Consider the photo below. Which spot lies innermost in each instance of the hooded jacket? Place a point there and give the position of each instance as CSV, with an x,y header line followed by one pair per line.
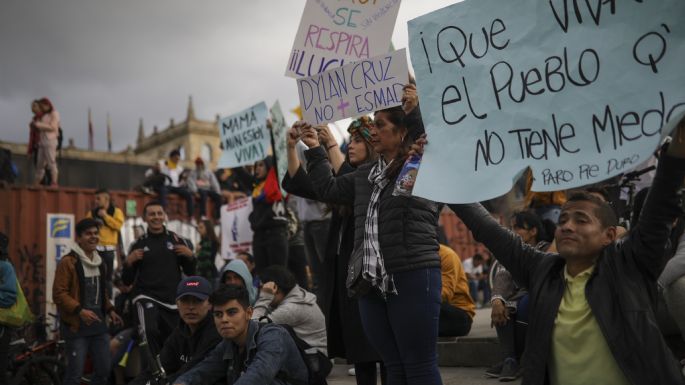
x,y
300,311
237,266
66,289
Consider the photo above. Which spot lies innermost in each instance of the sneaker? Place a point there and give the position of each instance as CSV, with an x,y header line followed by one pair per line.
x,y
351,372
495,370
510,370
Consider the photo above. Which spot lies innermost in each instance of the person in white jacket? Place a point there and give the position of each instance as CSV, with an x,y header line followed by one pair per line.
x,y
282,301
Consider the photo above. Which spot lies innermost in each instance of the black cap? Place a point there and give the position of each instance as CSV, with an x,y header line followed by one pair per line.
x,y
196,286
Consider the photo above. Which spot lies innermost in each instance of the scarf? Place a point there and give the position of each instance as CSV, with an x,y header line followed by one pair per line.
x,y
374,267
91,268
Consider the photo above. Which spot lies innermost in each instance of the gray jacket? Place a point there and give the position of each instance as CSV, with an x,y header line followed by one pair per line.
x,y
272,359
206,175
300,311
406,225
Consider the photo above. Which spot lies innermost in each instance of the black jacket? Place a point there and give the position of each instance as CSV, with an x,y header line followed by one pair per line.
x,y
159,272
345,334
406,225
621,291
182,351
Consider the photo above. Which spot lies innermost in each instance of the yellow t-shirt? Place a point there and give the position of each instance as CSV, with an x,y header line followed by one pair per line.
x,y
580,354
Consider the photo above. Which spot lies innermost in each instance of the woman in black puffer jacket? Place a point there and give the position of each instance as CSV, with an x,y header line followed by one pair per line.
x,y
396,238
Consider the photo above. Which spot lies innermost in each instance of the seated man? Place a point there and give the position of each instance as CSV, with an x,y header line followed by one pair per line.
x,y
591,315
250,353
457,308
282,301
473,268
237,273
194,337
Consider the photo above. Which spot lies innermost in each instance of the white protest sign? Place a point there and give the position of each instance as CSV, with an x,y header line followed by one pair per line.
x,y
333,33
354,90
279,130
580,91
244,136
236,233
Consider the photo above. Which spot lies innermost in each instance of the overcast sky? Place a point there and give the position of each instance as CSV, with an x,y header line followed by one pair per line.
x,y
143,58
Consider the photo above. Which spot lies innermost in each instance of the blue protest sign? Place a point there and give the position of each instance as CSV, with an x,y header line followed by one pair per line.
x,y
580,91
244,137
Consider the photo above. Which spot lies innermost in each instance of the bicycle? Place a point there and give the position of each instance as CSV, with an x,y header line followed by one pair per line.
x,y
40,363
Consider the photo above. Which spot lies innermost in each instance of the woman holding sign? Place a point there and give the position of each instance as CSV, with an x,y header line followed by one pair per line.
x,y
395,268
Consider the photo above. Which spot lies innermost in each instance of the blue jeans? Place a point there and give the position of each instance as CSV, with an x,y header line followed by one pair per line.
x,y
77,349
404,328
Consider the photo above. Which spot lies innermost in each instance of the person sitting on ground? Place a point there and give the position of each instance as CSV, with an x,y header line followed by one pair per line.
x,y
194,337
203,183
237,273
250,352
83,303
510,301
282,301
457,309
591,315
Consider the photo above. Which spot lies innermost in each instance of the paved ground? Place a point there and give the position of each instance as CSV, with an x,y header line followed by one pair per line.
x,y
450,376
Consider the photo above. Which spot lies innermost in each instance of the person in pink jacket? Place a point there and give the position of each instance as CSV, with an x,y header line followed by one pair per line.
x,y
48,127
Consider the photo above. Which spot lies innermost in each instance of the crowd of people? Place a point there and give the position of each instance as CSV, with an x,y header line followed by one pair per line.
x,y
365,273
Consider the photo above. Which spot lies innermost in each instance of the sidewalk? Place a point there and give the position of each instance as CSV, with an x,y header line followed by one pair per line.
x,y
450,376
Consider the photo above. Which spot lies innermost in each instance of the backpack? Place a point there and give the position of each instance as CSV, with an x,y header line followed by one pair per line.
x,y
318,365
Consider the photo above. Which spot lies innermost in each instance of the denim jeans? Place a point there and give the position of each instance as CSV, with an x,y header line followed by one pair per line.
x,y
77,349
404,327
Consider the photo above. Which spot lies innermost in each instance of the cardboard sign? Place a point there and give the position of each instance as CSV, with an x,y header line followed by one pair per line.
x,y
580,91
236,233
354,90
279,130
244,136
333,33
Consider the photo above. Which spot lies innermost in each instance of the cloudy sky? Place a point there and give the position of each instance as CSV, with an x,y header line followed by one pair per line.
x,y
143,58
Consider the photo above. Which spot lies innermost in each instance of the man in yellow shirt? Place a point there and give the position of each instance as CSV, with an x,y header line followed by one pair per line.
x,y
111,219
591,315
457,308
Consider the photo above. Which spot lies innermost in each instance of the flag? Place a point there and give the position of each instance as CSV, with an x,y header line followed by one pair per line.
x,y
90,131
109,134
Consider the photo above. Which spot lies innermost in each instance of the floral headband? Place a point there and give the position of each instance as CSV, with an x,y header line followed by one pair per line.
x,y
361,127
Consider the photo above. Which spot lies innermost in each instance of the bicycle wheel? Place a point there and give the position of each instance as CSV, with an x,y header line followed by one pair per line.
x,y
40,370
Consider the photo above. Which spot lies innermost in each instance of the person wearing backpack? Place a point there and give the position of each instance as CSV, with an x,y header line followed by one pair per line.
x,y
8,296
48,127
250,353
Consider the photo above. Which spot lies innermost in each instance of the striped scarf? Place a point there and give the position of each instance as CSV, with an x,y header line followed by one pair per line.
x,y
374,267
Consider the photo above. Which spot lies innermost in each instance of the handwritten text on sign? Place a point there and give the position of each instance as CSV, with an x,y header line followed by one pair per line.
x,y
244,137
354,90
333,33
579,90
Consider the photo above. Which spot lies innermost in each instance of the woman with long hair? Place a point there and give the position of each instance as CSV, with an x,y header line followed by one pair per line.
x,y
34,135
206,250
346,338
48,128
395,247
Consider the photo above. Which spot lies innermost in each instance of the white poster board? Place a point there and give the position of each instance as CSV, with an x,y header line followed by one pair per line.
x,y
244,137
236,234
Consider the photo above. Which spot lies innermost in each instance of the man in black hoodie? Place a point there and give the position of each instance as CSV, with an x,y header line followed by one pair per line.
x,y
194,337
153,267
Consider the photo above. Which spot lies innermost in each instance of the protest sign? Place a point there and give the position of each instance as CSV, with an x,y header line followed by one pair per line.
x,y
244,136
580,91
333,33
354,90
236,233
279,131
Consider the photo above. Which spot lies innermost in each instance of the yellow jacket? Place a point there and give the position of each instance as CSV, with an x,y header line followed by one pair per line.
x,y
455,286
109,233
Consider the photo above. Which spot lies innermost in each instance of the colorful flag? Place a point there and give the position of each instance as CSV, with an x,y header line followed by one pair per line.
x,y
90,131
109,134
